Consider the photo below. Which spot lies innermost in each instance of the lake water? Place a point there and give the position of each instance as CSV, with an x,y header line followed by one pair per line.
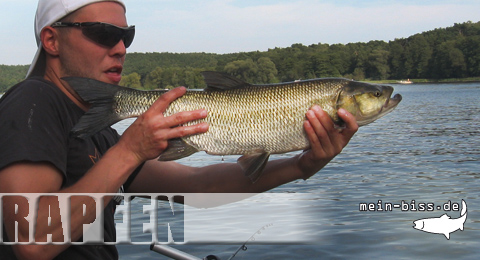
x,y
426,151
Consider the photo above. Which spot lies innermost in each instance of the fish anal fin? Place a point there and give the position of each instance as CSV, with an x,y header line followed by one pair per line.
x,y
253,164
222,81
447,235
177,149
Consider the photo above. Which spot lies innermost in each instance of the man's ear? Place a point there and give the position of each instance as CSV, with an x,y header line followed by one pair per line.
x,y
49,37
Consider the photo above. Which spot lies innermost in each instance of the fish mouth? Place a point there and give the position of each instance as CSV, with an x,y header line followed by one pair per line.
x,y
417,224
392,102
390,105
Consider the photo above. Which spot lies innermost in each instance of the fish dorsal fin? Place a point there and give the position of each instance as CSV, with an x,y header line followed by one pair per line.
x,y
222,81
445,216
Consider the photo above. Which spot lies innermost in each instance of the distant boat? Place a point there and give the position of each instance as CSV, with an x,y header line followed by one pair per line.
x,y
405,81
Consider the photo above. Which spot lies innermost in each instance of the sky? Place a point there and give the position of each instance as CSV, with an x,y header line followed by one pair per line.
x,y
230,26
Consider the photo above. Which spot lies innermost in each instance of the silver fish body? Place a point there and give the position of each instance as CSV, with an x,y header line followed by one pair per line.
x,y
250,120
267,118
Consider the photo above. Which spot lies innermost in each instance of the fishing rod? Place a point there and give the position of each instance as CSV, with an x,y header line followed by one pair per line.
x,y
180,255
252,238
177,254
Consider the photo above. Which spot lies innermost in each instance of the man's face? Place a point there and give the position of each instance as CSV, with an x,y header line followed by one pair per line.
x,y
81,57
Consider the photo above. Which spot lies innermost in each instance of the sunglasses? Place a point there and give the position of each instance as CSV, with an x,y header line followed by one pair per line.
x,y
103,33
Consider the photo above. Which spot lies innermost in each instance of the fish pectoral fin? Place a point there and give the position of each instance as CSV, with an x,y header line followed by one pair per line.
x,y
253,164
177,149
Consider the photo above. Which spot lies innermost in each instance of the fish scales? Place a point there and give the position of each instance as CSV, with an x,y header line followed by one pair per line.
x,y
261,117
129,103
267,118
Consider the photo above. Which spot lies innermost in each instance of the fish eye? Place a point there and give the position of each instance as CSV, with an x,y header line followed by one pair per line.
x,y
377,94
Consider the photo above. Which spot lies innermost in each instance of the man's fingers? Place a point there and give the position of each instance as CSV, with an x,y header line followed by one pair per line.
x,y
351,126
315,122
166,99
324,118
322,125
181,118
182,131
312,136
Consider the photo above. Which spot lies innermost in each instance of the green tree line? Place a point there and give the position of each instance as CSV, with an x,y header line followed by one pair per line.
x,y
443,53
11,75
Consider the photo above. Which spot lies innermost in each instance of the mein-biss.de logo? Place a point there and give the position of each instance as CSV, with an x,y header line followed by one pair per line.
x,y
443,224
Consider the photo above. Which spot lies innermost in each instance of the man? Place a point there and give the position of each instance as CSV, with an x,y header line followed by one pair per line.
x,y
39,155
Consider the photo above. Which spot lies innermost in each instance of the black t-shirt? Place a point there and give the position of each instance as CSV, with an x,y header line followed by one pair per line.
x,y
35,122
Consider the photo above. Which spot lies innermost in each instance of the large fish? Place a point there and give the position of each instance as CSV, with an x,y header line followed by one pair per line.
x,y
249,120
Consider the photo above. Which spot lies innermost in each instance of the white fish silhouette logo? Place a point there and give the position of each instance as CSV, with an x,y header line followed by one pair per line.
x,y
444,224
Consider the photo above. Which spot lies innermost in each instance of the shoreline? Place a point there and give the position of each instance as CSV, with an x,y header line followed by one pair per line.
x,y
426,81
414,81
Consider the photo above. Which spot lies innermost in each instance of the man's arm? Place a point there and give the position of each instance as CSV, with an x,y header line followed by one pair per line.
x,y
106,176
26,177
326,142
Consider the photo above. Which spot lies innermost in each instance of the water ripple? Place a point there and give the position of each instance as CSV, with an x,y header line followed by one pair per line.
x,y
427,150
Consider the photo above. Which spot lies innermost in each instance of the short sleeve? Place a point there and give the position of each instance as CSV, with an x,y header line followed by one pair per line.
x,y
33,126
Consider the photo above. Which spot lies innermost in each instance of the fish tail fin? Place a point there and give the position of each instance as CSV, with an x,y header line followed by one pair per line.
x,y
253,164
464,208
463,214
101,96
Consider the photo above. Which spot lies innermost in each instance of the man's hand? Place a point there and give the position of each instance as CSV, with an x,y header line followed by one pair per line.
x,y
148,136
326,141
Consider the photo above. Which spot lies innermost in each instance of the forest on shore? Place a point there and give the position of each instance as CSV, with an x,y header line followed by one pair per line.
x,y
442,53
